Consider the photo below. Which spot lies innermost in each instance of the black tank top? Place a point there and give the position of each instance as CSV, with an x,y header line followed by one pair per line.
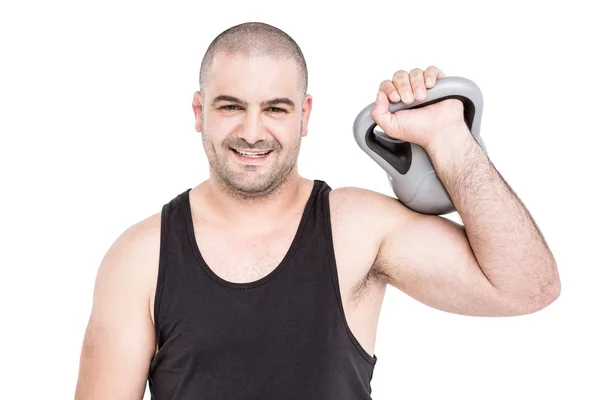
x,y
283,336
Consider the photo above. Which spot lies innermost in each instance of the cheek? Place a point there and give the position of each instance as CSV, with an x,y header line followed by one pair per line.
x,y
218,130
287,134
216,125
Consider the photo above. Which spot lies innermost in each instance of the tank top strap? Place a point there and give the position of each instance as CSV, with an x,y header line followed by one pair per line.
x,y
324,248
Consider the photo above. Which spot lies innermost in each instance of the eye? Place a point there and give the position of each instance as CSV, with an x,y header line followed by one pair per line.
x,y
227,107
278,109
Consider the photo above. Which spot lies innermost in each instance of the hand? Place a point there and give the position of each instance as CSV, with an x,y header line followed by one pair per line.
x,y
421,126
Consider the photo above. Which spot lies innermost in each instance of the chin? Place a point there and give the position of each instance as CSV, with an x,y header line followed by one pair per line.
x,y
247,184
252,185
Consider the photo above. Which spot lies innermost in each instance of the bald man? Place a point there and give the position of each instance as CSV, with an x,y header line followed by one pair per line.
x,y
262,284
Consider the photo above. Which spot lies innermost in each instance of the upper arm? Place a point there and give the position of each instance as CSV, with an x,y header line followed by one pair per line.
x,y
429,258
119,341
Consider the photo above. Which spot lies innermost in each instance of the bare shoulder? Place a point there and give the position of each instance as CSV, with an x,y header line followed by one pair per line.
x,y
150,237
368,211
143,242
361,219
352,196
139,246
119,340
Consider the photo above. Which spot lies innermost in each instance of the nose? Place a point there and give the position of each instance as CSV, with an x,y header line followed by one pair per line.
x,y
253,129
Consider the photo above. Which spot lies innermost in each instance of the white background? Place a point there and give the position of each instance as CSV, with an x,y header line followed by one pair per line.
x,y
98,133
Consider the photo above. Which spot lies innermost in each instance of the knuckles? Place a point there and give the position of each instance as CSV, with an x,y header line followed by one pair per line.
x,y
400,75
416,72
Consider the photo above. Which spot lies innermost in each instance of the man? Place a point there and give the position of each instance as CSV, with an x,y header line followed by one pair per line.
x,y
261,284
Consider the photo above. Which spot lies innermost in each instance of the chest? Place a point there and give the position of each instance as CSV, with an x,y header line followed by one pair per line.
x,y
243,256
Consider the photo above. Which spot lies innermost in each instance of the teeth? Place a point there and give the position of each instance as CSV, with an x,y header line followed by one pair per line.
x,y
251,154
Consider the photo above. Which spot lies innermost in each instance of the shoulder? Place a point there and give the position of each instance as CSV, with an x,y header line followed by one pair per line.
x,y
367,206
141,237
352,193
369,214
134,254
119,339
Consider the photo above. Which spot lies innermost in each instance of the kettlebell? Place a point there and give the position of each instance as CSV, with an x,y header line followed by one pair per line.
x,y
409,169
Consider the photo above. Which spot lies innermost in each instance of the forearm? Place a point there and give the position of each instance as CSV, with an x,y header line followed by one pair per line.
x,y
508,245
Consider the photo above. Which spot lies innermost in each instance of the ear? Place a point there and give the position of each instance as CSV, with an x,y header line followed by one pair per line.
x,y
306,108
197,108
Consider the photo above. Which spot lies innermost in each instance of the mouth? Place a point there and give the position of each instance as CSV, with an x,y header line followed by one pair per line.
x,y
251,156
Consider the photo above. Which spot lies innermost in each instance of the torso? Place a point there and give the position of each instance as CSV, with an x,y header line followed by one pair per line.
x,y
255,257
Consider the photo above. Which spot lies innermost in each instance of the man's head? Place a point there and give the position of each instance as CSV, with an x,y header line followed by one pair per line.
x,y
252,98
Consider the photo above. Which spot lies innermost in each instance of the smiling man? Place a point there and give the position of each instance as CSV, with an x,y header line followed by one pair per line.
x,y
261,284
253,110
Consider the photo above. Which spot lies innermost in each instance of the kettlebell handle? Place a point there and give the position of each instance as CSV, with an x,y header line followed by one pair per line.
x,y
445,88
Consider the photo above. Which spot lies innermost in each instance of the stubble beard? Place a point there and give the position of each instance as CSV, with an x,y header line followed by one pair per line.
x,y
246,183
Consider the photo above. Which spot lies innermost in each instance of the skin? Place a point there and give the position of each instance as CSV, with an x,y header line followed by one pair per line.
x,y
252,194
497,264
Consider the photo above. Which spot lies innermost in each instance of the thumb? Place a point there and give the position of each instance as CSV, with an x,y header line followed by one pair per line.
x,y
380,112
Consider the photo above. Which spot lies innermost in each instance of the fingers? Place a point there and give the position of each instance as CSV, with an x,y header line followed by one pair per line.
x,y
380,112
381,105
431,76
389,89
401,81
411,86
404,86
418,83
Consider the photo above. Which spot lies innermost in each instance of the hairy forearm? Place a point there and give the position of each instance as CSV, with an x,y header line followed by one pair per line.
x,y
507,243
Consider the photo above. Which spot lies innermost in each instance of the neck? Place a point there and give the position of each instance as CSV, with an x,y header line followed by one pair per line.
x,y
259,210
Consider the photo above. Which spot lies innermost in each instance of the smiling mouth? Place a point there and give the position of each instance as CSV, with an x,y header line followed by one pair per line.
x,y
252,154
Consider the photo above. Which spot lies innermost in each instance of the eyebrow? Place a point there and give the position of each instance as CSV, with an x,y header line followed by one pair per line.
x,y
272,102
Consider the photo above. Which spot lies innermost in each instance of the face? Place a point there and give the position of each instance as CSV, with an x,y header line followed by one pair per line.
x,y
252,121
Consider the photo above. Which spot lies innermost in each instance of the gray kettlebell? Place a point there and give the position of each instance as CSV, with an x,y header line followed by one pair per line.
x,y
408,166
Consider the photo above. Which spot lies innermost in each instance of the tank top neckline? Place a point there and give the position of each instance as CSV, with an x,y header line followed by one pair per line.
x,y
189,222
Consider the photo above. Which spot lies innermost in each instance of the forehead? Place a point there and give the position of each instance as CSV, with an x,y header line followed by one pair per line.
x,y
253,76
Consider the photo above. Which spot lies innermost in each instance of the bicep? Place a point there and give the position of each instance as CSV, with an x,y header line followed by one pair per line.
x,y
429,258
119,341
